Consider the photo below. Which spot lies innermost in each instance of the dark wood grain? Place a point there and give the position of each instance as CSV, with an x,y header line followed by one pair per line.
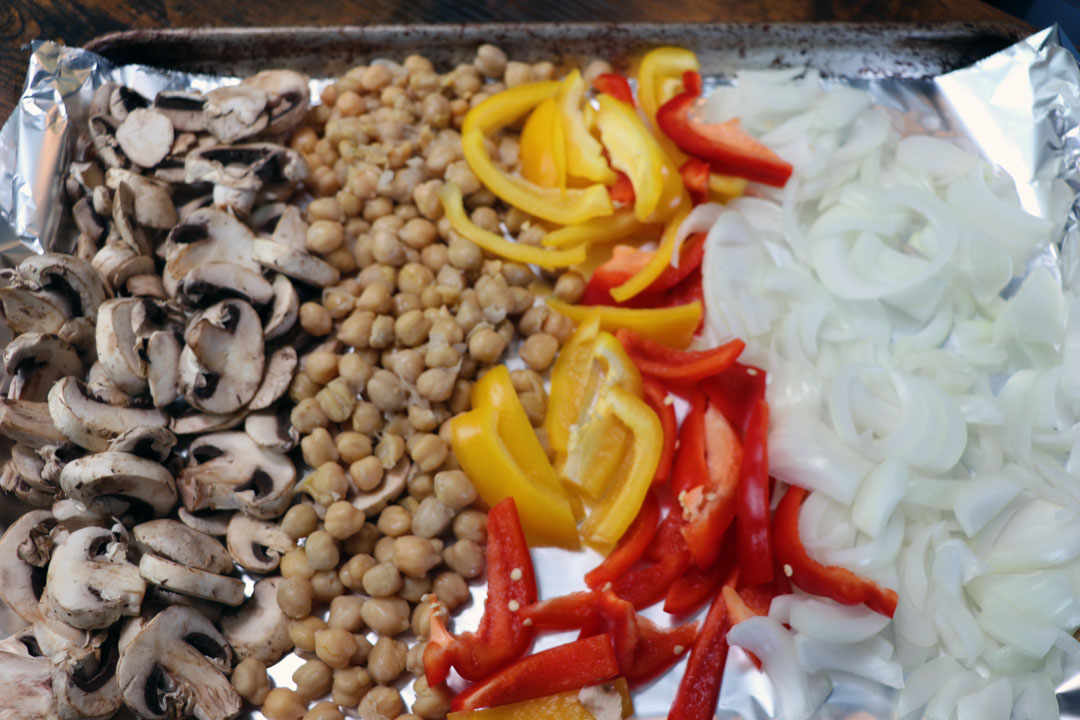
x,y
75,23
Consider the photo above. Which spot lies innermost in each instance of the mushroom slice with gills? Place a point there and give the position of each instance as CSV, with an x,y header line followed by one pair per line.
x,y
152,443
90,583
82,178
92,424
21,584
36,548
73,279
118,262
102,97
153,204
55,458
17,486
123,101
209,523
222,365
146,285
85,684
30,466
175,666
285,309
87,219
101,388
234,200
291,229
236,112
211,282
27,311
75,516
183,108
392,484
245,167
37,360
287,97
128,476
103,135
158,598
272,429
206,235
163,350
193,422
280,369
80,334
145,136
228,471
126,223
191,581
173,540
297,264
29,423
26,684
259,629
257,545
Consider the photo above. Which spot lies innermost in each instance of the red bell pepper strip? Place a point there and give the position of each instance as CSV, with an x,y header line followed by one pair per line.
x,y
753,544
699,688
735,392
759,597
656,397
622,192
647,585
840,584
727,147
695,176
631,545
669,539
627,261
616,86
690,468
696,587
566,612
564,667
683,366
642,649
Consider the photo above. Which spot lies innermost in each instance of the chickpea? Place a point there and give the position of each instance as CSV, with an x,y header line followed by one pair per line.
x,y
337,400
335,646
412,328
517,73
302,633
464,254
394,521
349,686
355,330
386,391
461,399
363,542
313,679
387,660
384,549
315,319
321,366
414,658
543,71
459,173
414,555
430,703
352,572
490,61
342,520
387,616
465,557
300,521
390,449
363,649
486,346
352,446
532,321
428,451
376,77
283,704
451,589
302,387
308,415
380,703
327,484
421,619
431,518
295,563
387,248
410,504
338,302
326,585
437,383
318,448
366,473
325,236
324,710
535,406
345,613
367,418
560,326
250,680
414,589
454,489
294,597
426,197
570,287
382,580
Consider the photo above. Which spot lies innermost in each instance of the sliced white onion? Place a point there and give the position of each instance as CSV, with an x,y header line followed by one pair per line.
x,y
872,554
878,496
1040,535
835,623
816,655
1048,596
980,499
943,704
993,702
1005,625
700,219
803,451
780,608
1035,699
925,682
934,156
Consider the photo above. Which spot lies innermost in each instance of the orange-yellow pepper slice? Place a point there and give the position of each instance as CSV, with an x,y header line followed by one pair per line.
x,y
673,326
609,519
543,146
584,154
622,223
660,79
660,259
450,195
509,106
726,187
595,451
561,706
569,377
545,515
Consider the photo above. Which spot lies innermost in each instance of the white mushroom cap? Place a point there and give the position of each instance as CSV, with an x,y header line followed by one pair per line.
x,y
245,167
85,684
175,666
184,108
21,583
213,281
118,262
257,545
37,360
206,235
154,207
29,422
73,278
222,366
191,581
28,311
163,349
210,523
118,346
111,474
287,96
235,112
285,310
277,378
90,582
193,422
175,541
92,424
145,136
259,629
152,443
297,264
272,430
228,471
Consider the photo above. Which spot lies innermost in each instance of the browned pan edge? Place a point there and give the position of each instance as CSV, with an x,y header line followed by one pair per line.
x,y
847,49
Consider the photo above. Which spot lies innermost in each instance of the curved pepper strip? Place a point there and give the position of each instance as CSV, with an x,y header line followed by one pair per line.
x,y
543,147
753,542
699,688
584,154
642,649
674,326
840,584
507,107
616,86
726,187
450,195
658,69
631,545
562,668
647,585
656,396
569,376
685,366
546,515
735,391
572,611
696,587
669,538
660,259
626,261
560,706
609,228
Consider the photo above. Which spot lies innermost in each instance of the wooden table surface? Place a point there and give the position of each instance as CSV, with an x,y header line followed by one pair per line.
x,y
75,23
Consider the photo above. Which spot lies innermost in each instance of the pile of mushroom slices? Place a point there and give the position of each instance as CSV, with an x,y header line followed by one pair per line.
x,y
142,377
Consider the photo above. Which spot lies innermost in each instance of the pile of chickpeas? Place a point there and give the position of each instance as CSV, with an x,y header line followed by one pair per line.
x,y
420,314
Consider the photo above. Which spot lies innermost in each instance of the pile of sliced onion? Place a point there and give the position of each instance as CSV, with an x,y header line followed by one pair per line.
x,y
924,385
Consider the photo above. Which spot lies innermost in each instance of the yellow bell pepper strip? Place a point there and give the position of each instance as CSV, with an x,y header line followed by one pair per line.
x,y
660,79
620,224
543,147
509,106
496,390
569,376
545,514
673,326
561,706
635,151
584,154
609,519
450,195
726,187
661,259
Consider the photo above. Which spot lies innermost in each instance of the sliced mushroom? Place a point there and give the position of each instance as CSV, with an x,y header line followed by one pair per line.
x,y
26,684
159,598
392,484
145,136
54,635
297,264
146,285
21,584
85,683
183,108
245,167
102,389
90,582
30,467
272,430
36,549
191,581
118,262
153,204
287,97
173,540
55,458
280,369
228,471
194,423
79,332
27,311
68,277
103,134
87,220
126,223
236,112
73,515
37,360
257,545
259,629
152,443
235,200
102,201
206,235
285,310
209,523
175,666
163,350
29,422
211,282
83,177
92,424
221,367
119,474
123,101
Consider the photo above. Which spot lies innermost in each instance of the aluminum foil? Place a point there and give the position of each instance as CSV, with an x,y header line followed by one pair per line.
x,y
1020,108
